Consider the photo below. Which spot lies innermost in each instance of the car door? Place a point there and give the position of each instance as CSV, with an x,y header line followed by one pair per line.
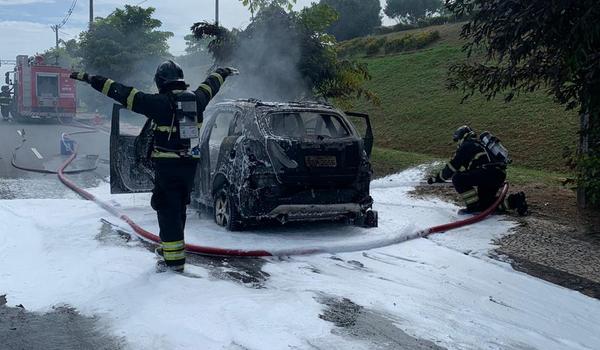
x,y
220,130
130,139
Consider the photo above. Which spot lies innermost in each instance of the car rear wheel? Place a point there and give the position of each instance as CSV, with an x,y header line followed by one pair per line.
x,y
226,213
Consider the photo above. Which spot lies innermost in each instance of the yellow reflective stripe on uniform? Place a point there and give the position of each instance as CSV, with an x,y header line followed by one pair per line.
x,y
207,88
130,98
219,77
469,193
158,154
173,245
165,128
477,156
472,200
470,196
178,255
80,75
106,88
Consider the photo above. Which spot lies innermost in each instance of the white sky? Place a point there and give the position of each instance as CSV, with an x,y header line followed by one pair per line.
x,y
25,24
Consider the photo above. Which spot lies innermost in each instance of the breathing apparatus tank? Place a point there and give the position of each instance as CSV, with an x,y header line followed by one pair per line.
x,y
497,151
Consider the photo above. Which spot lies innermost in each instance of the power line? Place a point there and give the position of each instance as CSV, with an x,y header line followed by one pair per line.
x,y
68,15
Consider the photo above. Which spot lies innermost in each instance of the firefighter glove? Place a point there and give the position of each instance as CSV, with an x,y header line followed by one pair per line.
x,y
436,179
81,76
225,72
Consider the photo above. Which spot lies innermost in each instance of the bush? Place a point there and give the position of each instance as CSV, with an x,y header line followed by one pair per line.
x,y
351,47
400,27
373,47
411,42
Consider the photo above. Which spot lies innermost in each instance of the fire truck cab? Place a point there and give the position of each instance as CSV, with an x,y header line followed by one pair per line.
x,y
41,91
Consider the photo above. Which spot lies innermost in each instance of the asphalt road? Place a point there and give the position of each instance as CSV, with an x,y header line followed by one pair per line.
x,y
41,150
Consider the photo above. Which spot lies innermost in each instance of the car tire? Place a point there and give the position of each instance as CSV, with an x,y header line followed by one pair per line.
x,y
371,218
226,213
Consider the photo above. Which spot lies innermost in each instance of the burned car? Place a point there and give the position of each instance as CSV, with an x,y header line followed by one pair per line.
x,y
268,162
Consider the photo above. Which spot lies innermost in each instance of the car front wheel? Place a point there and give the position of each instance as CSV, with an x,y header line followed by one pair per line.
x,y
226,213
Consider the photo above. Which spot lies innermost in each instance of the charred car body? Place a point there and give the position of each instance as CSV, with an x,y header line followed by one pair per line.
x,y
269,161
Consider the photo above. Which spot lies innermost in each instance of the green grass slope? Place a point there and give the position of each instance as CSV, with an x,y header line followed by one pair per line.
x,y
418,114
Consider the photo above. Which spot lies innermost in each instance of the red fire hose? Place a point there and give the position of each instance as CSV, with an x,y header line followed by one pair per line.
x,y
213,251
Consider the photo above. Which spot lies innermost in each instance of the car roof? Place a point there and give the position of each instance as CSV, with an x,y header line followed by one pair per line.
x,y
267,107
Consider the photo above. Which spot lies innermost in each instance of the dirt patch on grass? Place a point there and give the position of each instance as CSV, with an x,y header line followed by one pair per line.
x,y
557,242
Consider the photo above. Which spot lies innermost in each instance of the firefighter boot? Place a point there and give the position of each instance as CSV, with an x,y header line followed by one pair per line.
x,y
161,264
471,199
518,202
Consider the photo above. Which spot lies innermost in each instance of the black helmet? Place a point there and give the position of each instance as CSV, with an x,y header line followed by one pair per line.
x,y
461,132
168,73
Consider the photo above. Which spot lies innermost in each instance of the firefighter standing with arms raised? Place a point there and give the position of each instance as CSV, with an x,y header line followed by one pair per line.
x,y
176,115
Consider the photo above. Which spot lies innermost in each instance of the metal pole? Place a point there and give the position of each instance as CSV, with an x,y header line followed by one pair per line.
x,y
217,12
91,13
55,28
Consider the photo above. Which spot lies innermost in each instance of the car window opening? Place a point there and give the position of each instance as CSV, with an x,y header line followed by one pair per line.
x,y
307,125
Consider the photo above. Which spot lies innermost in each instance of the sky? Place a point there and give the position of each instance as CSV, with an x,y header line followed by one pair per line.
x,y
25,24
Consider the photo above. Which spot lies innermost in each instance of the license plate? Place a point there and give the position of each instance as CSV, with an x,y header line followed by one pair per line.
x,y
321,161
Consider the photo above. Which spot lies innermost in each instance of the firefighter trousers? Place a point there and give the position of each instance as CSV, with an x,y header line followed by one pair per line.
x,y
479,186
173,183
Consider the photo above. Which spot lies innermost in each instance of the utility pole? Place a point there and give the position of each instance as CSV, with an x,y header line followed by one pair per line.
x,y
91,13
217,12
55,28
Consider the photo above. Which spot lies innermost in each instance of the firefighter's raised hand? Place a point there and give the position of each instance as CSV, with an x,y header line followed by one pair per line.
x,y
81,76
227,71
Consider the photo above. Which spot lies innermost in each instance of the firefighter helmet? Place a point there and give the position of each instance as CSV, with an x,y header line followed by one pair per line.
x,y
168,73
461,132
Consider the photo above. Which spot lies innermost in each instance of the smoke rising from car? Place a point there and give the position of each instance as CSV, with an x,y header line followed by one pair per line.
x,y
268,70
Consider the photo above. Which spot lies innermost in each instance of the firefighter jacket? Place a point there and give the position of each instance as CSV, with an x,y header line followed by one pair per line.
x,y
471,154
160,109
5,98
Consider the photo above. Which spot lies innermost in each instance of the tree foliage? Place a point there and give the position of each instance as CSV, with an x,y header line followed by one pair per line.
x,y
126,45
256,5
410,11
68,54
287,55
537,44
356,17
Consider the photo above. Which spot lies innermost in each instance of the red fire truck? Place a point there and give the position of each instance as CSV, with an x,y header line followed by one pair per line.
x,y
40,90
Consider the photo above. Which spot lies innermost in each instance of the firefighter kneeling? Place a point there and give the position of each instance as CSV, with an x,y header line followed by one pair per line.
x,y
176,117
478,171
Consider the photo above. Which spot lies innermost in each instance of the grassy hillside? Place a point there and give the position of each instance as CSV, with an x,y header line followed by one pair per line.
x,y
418,114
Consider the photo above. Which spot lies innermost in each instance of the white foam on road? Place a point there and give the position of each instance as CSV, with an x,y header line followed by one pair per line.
x,y
49,256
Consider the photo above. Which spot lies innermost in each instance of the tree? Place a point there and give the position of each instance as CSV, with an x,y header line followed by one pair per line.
x,y
410,11
285,56
126,45
356,17
538,44
256,5
68,54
